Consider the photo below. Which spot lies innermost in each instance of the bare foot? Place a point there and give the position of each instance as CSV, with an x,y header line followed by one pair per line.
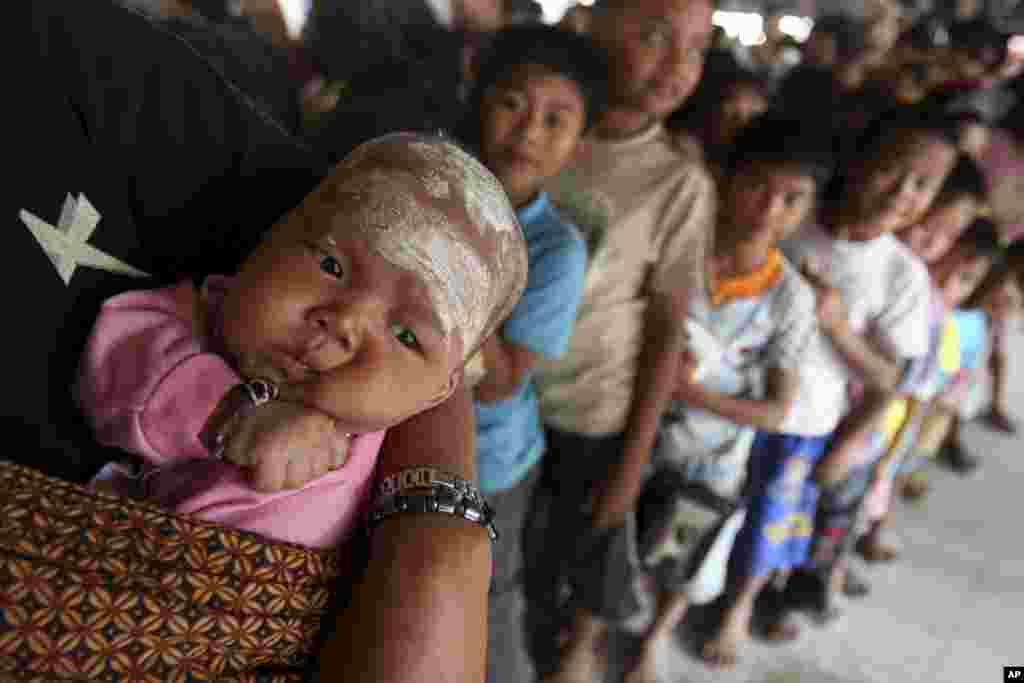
x,y
782,630
721,651
873,549
913,487
1000,421
650,666
579,665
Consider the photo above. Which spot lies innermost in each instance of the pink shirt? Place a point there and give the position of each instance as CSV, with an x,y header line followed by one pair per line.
x,y
148,382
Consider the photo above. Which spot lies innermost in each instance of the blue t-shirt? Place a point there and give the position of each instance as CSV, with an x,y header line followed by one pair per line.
x,y
510,439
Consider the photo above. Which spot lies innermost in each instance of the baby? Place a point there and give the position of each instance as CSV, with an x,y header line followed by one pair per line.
x,y
361,305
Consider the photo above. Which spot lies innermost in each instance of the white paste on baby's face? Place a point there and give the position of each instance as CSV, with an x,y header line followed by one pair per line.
x,y
418,237
427,206
483,194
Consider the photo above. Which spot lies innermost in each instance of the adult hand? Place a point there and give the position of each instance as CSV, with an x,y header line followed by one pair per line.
x,y
286,445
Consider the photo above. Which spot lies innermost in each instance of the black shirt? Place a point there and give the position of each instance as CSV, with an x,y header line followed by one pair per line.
x,y
184,172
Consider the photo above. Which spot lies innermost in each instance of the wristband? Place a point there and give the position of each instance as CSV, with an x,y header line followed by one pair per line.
x,y
440,500
240,399
428,489
423,478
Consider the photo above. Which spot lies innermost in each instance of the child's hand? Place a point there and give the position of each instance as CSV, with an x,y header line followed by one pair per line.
x,y
286,445
828,303
688,367
830,471
687,373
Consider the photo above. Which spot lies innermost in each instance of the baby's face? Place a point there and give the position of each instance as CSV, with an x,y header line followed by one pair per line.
x,y
363,302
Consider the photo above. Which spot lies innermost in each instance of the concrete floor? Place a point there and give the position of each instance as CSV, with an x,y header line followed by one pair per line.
x,y
950,611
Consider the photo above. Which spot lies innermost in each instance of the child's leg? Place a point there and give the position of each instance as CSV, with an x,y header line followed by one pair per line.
x,y
672,608
580,661
721,650
999,415
873,547
953,451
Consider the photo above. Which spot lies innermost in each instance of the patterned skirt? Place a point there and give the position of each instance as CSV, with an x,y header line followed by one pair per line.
x,y
782,498
94,587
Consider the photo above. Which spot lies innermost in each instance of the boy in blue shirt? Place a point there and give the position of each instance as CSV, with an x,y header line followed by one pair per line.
x,y
537,92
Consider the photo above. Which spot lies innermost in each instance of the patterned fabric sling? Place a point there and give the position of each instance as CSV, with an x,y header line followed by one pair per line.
x,y
98,588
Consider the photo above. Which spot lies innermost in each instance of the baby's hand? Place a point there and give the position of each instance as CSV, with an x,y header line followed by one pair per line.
x,y
286,445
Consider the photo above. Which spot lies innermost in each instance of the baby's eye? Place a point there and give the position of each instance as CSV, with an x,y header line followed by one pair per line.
x,y
404,335
332,266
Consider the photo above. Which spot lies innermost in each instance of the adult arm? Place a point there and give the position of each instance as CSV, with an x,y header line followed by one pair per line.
x,y
419,613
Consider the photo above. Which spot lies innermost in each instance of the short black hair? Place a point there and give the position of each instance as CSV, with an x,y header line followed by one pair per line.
x,y
568,54
848,33
901,119
906,118
778,138
723,74
982,39
965,180
982,236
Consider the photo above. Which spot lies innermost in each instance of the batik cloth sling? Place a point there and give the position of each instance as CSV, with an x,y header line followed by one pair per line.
x,y
99,588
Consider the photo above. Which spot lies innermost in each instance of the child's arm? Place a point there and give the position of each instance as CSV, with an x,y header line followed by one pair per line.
x,y
849,437
507,365
679,272
869,362
766,414
540,325
147,383
876,368
663,347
